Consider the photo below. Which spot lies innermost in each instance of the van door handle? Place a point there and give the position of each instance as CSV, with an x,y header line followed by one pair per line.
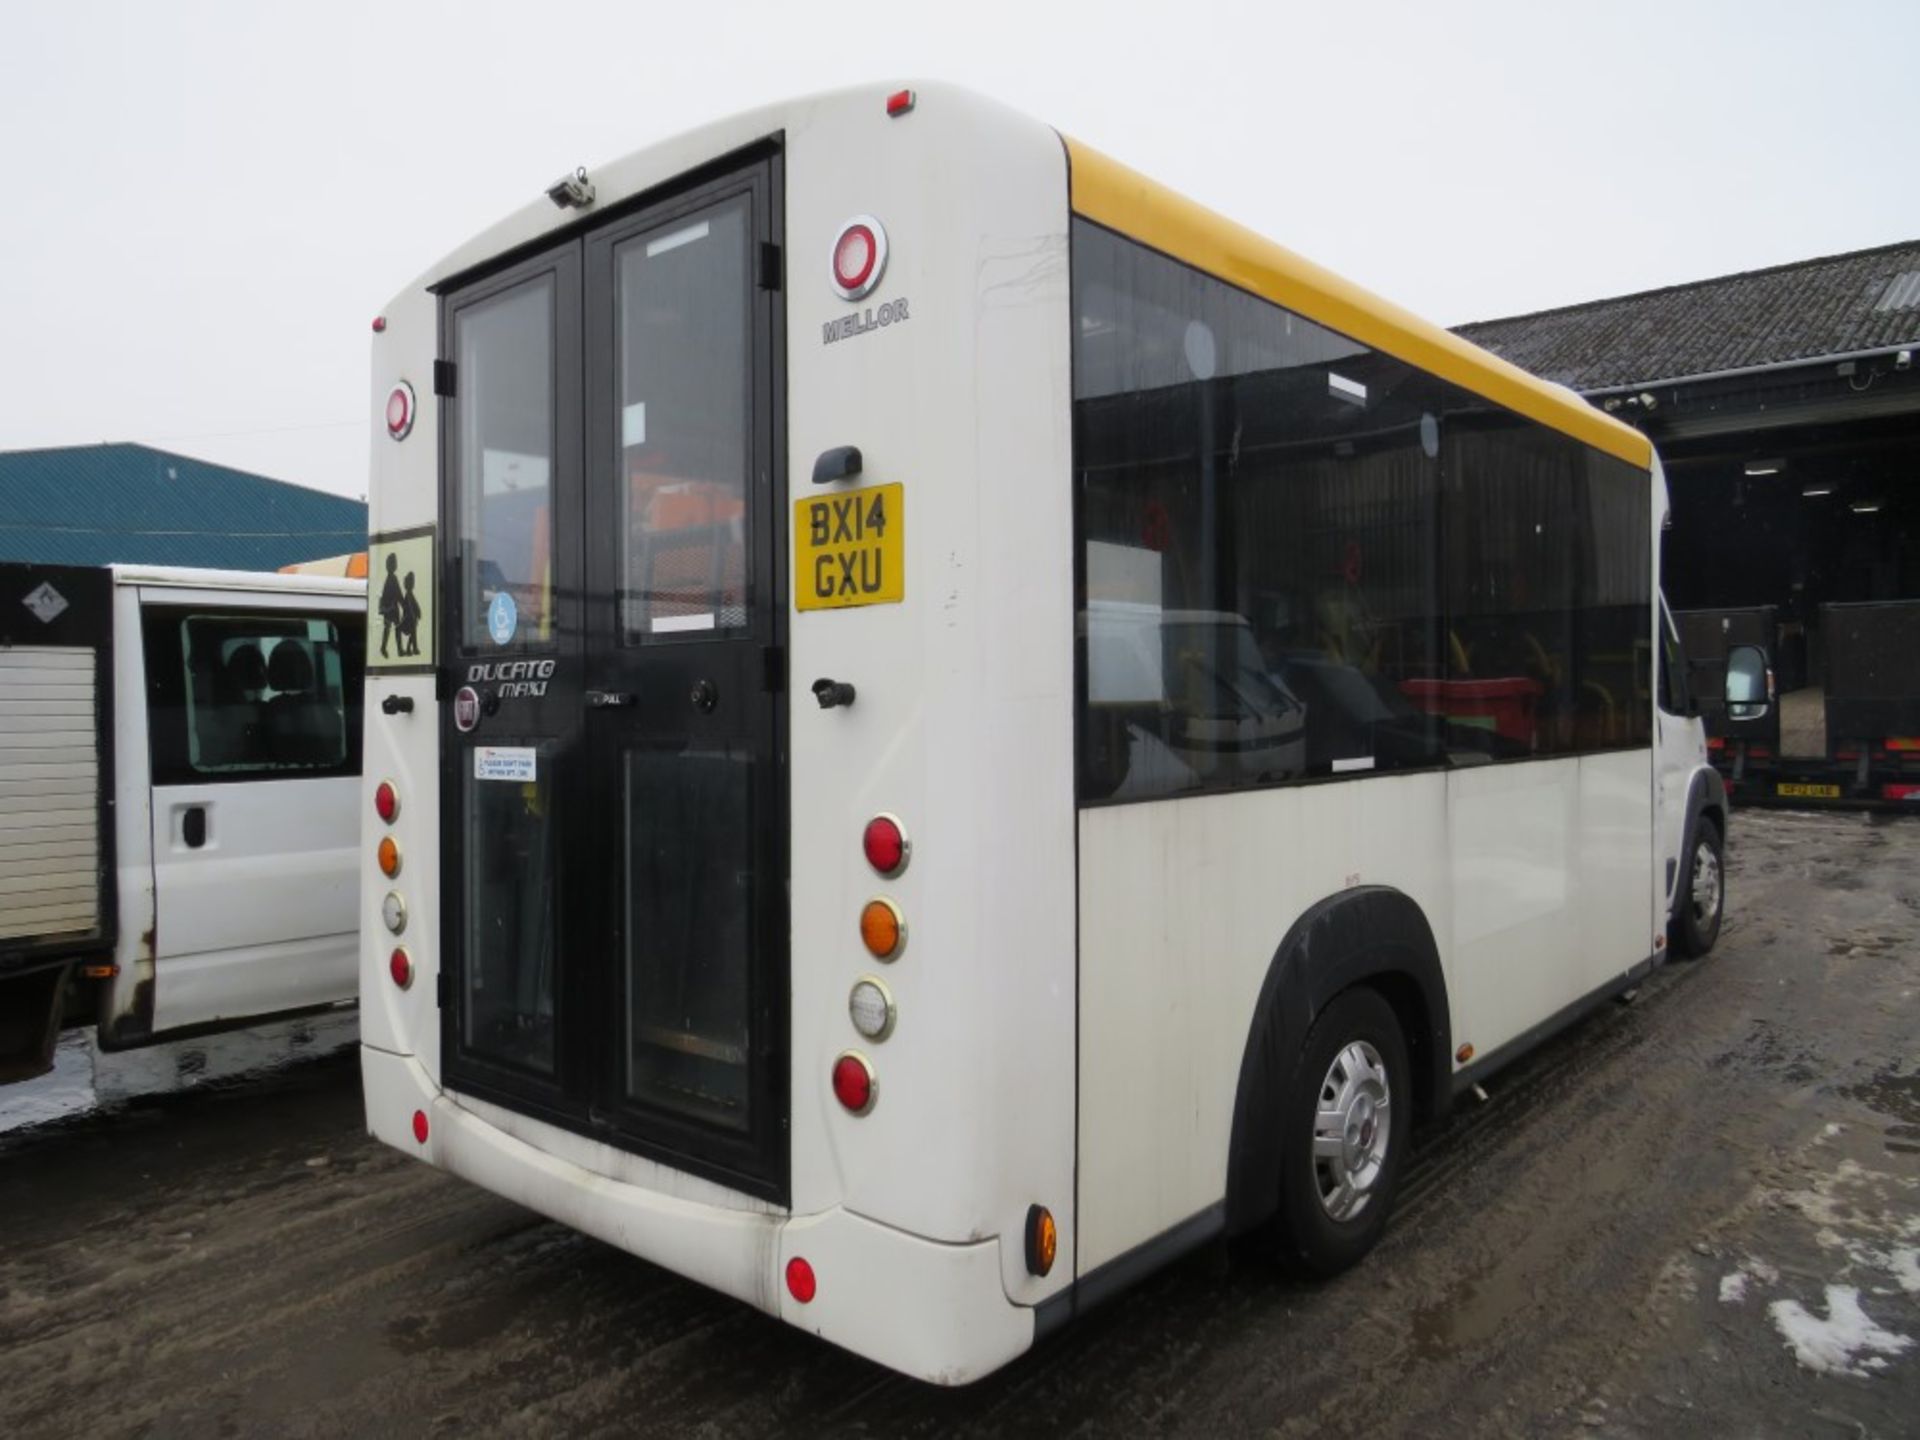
x,y
607,699
193,826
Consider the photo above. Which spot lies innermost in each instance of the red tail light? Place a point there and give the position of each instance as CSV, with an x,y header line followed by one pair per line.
x,y
386,801
800,1281
400,967
853,1082
420,1126
886,845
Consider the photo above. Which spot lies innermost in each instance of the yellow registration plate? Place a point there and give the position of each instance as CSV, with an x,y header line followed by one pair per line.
x,y
850,548
1807,792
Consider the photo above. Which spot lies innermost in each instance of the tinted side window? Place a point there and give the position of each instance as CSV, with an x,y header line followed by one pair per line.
x,y
1549,574
1302,558
1258,503
236,696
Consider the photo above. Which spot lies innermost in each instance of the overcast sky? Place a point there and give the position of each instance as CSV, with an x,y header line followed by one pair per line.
x,y
203,205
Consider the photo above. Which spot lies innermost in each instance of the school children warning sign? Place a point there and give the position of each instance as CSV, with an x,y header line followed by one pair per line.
x,y
400,586
850,548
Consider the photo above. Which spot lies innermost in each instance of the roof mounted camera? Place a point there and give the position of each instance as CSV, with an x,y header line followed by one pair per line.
x,y
572,192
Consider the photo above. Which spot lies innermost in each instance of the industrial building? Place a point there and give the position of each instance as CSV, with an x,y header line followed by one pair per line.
x,y
131,504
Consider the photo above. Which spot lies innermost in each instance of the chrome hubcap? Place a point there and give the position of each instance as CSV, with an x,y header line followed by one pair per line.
x,y
1706,884
1351,1128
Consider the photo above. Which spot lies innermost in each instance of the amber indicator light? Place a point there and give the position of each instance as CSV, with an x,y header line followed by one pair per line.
x,y
1043,1239
882,930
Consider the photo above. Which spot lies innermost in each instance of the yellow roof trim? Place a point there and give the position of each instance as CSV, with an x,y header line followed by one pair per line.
x,y
1110,194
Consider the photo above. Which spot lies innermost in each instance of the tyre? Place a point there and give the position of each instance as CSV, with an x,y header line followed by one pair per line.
x,y
1347,1117
1703,893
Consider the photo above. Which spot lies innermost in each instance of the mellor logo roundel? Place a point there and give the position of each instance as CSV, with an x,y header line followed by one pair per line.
x,y
858,258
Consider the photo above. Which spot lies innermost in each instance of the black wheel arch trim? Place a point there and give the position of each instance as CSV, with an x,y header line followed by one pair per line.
x,y
1368,933
1707,792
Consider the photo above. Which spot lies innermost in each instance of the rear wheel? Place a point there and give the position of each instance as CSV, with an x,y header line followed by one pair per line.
x,y
1703,893
1347,1119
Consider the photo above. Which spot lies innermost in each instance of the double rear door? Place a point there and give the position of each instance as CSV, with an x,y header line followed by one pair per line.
x,y
614,952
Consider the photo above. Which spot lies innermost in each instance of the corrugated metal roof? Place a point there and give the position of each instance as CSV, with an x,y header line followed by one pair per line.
x,y
129,504
1835,305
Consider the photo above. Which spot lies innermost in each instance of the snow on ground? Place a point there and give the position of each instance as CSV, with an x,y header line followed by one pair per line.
x,y
85,1078
1733,1285
1846,1342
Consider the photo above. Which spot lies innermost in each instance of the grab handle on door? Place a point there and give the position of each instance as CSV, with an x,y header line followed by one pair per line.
x,y
832,692
193,826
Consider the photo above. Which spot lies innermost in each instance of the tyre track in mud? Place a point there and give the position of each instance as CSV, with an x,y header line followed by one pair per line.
x,y
251,1263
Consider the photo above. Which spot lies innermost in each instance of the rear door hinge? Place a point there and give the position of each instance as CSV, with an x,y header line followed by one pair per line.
x,y
773,669
446,378
769,266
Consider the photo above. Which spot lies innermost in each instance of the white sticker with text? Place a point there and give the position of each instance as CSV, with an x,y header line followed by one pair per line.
x,y
503,762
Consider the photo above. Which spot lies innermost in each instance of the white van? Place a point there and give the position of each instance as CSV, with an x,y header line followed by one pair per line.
x,y
179,763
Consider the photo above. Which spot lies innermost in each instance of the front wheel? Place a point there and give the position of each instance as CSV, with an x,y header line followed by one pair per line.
x,y
1703,893
1347,1119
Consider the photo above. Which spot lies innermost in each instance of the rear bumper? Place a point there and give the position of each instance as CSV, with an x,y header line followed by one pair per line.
x,y
935,1311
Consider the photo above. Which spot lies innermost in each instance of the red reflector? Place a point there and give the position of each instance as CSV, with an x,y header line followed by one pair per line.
x,y
886,845
1760,752
900,102
800,1282
854,256
1716,743
400,411
400,966
386,801
420,1126
379,323
853,1082
1900,792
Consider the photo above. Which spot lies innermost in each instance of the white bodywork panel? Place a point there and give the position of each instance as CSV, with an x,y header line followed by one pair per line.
x,y
1680,741
1532,876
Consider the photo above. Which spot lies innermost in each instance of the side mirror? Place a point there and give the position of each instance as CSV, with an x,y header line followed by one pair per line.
x,y
1749,683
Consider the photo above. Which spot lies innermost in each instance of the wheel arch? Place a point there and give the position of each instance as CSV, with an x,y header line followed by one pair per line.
x,y
1706,796
1373,935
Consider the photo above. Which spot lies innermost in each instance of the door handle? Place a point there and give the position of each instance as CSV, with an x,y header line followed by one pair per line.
x,y
607,699
193,826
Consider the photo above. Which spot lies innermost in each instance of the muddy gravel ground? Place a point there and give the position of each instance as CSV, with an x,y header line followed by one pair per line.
x,y
1697,1213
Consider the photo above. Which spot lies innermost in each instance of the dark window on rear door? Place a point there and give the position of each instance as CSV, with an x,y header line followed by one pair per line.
x,y
507,1011
505,350
685,423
